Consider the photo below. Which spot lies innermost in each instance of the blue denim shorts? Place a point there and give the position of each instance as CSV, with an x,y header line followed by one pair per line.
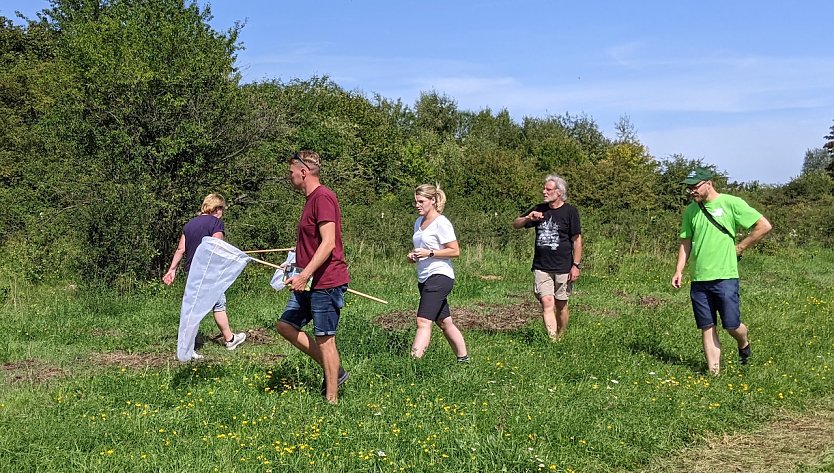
x,y
716,297
220,305
322,306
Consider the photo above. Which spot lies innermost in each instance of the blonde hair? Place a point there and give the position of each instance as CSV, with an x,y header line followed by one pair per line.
x,y
308,159
432,192
211,203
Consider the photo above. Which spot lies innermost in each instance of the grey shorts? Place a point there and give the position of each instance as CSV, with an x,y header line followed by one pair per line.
x,y
220,305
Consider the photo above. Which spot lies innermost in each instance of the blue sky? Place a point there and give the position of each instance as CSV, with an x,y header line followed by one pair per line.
x,y
747,86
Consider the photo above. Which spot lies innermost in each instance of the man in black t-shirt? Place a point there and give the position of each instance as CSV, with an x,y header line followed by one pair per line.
x,y
557,255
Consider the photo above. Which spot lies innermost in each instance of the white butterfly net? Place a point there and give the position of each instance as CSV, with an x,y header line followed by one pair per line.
x,y
215,266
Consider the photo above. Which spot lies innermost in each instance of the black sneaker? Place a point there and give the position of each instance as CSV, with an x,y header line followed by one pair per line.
x,y
463,359
744,354
343,376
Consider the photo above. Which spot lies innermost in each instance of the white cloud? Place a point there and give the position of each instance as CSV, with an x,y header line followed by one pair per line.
x,y
624,54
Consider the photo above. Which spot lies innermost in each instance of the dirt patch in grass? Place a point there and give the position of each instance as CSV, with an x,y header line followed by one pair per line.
x,y
140,361
30,371
790,442
395,320
650,301
257,336
480,317
271,357
260,336
35,371
106,333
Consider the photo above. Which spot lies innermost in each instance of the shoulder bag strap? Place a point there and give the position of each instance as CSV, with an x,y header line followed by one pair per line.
x,y
714,222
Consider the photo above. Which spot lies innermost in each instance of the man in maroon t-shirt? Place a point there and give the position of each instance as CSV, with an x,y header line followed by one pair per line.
x,y
318,291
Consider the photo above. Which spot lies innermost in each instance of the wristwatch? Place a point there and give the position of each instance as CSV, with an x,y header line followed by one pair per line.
x,y
578,265
431,253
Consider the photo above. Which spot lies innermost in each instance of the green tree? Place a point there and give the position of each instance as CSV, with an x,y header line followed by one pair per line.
x,y
585,131
670,191
549,146
499,129
135,104
809,187
37,173
361,142
625,179
24,54
626,131
437,113
829,146
816,160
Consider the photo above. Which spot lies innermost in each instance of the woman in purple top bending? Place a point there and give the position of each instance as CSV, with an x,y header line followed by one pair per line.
x,y
207,223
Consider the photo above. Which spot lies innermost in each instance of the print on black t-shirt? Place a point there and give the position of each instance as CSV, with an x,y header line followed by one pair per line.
x,y
554,245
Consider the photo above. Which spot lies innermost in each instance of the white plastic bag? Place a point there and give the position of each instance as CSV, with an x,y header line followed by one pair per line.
x,y
287,270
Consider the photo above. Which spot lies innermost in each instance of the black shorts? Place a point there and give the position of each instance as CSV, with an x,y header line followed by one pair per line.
x,y
433,293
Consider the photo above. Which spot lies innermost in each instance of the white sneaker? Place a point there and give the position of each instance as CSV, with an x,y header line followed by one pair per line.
x,y
196,356
237,339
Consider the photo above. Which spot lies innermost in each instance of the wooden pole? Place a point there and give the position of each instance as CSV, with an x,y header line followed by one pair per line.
x,y
267,263
269,251
367,296
349,289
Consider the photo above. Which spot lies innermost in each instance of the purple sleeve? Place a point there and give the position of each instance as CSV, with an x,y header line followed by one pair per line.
x,y
218,226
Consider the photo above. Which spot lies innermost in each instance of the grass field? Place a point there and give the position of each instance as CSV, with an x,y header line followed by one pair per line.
x,y
90,382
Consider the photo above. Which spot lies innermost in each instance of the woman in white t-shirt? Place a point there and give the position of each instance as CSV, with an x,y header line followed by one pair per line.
x,y
434,246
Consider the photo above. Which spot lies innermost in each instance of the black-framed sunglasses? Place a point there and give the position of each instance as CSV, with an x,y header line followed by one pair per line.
x,y
296,157
695,187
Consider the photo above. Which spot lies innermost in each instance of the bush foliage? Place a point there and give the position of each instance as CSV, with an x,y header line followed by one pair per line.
x,y
119,116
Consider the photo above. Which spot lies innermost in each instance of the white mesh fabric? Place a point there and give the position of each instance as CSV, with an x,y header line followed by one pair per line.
x,y
215,266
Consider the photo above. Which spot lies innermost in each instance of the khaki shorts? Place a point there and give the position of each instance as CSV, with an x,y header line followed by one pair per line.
x,y
552,284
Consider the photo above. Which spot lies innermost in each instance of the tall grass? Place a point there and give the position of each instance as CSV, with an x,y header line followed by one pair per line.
x,y
625,386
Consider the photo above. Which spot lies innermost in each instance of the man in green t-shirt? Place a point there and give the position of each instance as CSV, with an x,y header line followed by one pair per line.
x,y
707,237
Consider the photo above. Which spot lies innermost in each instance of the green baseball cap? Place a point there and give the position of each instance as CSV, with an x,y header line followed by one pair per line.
x,y
697,175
